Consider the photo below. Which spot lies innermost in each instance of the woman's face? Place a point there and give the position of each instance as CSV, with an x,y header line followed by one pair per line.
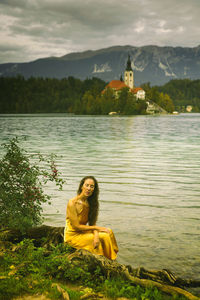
x,y
88,187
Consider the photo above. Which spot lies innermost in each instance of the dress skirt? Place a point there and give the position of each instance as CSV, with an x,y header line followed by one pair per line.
x,y
84,240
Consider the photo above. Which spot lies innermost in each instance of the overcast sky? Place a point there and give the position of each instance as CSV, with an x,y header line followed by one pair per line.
x,y
31,29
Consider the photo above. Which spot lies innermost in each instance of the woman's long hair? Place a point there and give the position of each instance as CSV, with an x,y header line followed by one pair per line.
x,y
93,200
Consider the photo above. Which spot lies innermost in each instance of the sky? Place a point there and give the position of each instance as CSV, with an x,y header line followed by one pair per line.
x,y
32,29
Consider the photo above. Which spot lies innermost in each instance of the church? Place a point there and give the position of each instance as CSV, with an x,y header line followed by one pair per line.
x,y
118,85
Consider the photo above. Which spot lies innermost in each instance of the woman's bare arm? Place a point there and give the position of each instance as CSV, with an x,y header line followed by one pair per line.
x,y
73,217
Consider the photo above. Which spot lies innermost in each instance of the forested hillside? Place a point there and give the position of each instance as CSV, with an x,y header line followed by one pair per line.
x,y
45,95
71,95
183,92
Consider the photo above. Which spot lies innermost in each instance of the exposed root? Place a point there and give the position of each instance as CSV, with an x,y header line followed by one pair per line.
x,y
163,280
47,236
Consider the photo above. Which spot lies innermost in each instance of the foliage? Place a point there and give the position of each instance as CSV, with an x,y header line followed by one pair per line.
x,y
125,103
25,269
11,287
21,186
119,288
162,99
108,102
45,95
183,92
69,95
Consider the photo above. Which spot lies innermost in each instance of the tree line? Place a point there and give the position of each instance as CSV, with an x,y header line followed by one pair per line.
x,y
182,92
68,95
72,95
44,95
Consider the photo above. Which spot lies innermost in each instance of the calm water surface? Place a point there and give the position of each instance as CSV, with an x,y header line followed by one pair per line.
x,y
148,169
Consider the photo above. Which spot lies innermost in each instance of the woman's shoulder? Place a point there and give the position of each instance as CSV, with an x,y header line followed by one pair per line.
x,y
77,202
72,201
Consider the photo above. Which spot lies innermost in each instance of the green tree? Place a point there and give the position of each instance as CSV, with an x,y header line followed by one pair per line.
x,y
122,100
21,186
130,107
89,104
108,102
166,102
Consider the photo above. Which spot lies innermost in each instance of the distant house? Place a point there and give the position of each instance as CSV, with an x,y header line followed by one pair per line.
x,y
189,108
118,85
139,93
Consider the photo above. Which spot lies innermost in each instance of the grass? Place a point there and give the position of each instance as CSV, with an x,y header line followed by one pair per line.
x,y
26,269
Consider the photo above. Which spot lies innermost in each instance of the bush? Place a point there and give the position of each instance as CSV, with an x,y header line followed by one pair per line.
x,y
21,186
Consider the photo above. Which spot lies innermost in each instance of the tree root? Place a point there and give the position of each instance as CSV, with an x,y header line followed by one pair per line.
x,y
163,280
48,236
168,289
43,236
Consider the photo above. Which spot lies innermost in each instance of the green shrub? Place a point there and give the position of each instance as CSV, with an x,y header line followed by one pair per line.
x,y
117,287
21,186
30,270
10,287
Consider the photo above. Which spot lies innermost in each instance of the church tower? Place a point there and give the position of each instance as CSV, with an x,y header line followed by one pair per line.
x,y
128,74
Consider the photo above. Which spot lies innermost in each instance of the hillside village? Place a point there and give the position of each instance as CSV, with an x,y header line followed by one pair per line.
x,y
117,85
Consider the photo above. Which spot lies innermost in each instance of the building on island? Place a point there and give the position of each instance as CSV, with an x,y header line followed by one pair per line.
x,y
118,85
189,108
128,74
139,93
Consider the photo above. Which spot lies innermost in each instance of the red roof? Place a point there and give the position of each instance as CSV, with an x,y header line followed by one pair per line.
x,y
117,85
137,89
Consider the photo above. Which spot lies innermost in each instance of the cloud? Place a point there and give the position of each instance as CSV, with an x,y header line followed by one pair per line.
x,y
31,29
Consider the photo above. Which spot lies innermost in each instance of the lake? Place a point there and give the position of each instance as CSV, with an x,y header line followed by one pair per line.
x,y
148,168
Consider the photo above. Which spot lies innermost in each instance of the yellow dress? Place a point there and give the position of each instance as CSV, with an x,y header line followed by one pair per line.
x,y
84,240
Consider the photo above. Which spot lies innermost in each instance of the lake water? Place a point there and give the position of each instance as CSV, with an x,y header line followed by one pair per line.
x,y
148,168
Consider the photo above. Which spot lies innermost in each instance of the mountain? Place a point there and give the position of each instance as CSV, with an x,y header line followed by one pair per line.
x,y
153,64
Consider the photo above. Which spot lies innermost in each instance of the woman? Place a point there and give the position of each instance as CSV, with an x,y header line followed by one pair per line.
x,y
81,210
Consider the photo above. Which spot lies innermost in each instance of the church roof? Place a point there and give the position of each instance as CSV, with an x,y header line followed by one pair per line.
x,y
117,85
137,89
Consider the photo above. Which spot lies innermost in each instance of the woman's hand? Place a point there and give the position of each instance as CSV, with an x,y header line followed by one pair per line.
x,y
103,229
96,241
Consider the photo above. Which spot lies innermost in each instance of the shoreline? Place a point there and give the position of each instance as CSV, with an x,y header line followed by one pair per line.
x,y
43,252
